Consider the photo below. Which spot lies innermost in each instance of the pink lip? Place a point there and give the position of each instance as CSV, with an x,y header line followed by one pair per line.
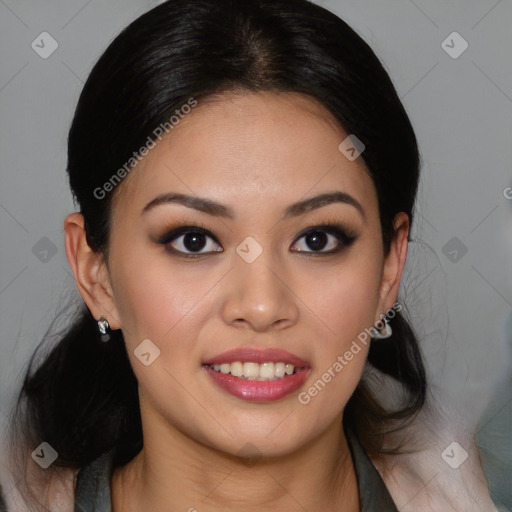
x,y
254,355
258,390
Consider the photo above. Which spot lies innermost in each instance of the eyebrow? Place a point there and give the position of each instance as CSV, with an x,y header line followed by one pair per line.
x,y
214,208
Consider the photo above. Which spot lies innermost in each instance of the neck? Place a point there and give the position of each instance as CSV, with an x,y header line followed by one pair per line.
x,y
175,472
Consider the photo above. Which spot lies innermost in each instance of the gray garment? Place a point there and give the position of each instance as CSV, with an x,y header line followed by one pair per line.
x,y
3,506
92,492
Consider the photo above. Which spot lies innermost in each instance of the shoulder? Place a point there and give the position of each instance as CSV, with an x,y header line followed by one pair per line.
x,y
442,470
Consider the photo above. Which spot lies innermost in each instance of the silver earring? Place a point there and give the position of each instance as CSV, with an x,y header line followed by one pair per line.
x,y
104,328
103,325
377,335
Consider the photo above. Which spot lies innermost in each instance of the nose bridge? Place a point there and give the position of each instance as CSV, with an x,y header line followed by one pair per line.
x,y
259,295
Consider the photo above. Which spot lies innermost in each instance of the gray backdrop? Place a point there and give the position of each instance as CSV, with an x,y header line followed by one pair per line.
x,y
451,65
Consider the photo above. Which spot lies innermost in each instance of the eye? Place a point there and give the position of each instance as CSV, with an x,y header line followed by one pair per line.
x,y
192,241
332,237
189,238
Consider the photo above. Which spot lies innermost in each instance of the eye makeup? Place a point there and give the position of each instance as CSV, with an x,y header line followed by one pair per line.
x,y
343,235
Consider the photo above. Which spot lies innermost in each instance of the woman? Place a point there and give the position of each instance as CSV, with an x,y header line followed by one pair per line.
x,y
246,177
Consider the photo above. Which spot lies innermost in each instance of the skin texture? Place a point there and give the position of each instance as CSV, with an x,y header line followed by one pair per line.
x,y
256,153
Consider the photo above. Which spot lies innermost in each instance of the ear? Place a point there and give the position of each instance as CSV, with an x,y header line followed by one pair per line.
x,y
394,264
90,270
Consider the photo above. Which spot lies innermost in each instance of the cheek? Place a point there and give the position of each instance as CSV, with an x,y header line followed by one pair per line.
x,y
169,305
160,303
153,295
344,298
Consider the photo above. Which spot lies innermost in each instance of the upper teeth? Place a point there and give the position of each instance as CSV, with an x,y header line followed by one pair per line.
x,y
255,371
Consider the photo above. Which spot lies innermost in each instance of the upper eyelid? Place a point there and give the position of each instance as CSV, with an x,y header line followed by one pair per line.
x,y
325,225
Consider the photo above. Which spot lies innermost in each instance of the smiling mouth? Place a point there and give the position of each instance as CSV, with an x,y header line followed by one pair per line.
x,y
250,381
269,371
257,374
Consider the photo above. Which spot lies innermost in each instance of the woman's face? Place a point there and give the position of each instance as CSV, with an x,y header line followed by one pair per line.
x,y
254,279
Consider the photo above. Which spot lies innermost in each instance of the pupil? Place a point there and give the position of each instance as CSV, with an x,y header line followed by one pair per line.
x,y
316,240
191,242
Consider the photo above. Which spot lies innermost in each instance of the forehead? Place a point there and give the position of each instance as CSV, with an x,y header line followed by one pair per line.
x,y
258,149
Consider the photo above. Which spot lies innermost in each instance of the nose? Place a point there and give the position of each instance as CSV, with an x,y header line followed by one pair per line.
x,y
260,295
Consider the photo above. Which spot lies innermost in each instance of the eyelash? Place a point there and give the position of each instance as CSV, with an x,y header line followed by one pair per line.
x,y
344,236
